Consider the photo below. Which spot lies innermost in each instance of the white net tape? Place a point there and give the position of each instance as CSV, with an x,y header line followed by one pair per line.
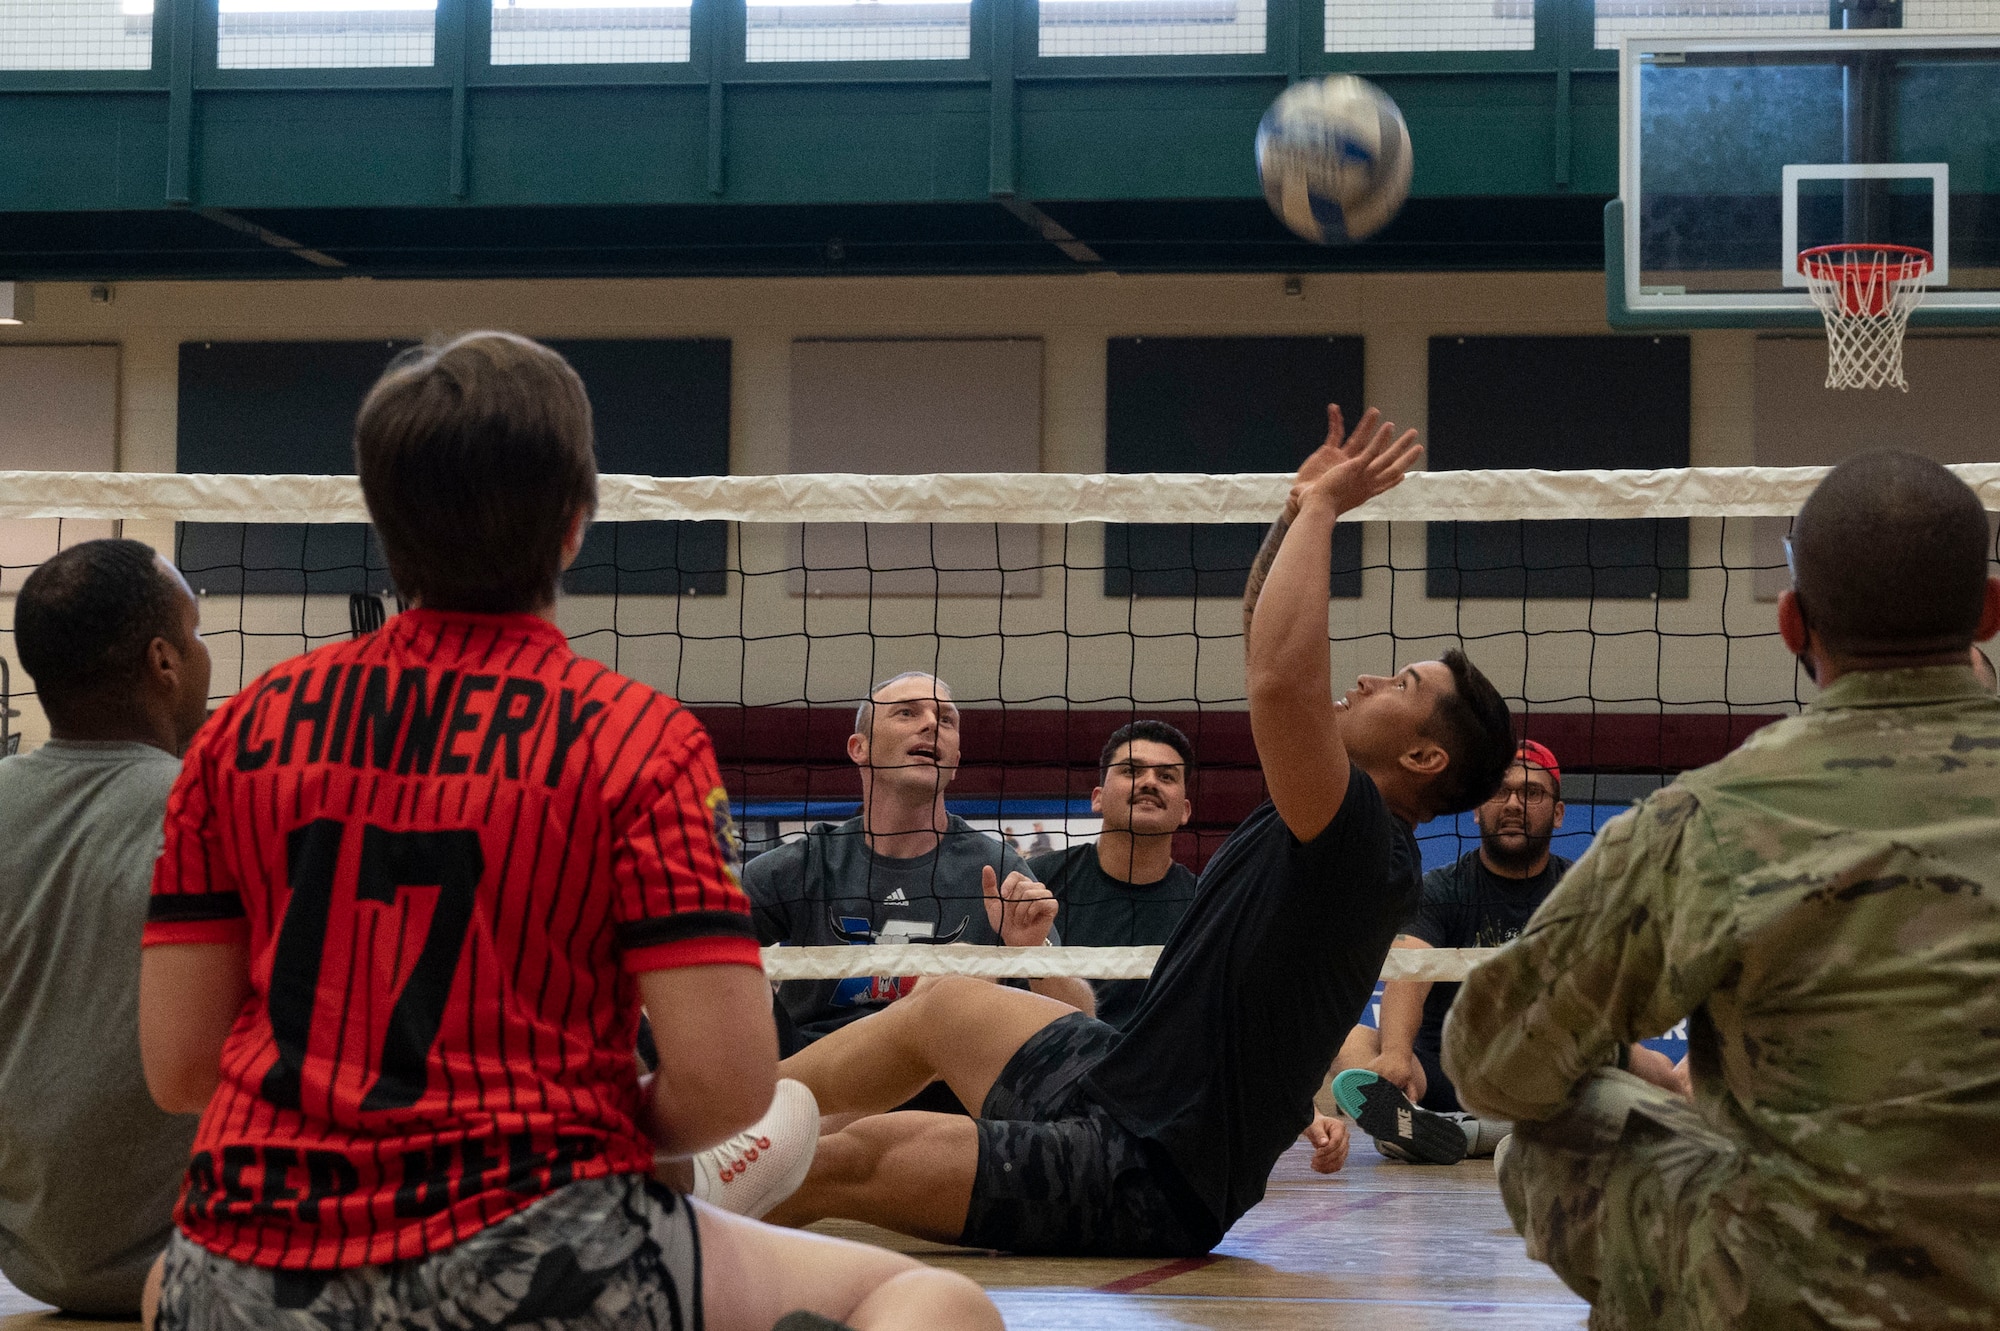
x,y
1866,304
1024,497
1037,963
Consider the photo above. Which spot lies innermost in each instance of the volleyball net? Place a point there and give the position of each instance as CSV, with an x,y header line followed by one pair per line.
x,y
1627,616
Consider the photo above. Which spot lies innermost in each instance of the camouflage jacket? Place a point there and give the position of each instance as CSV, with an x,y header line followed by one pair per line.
x,y
1823,908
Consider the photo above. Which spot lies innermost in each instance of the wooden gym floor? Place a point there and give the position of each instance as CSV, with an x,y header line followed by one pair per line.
x,y
1382,1246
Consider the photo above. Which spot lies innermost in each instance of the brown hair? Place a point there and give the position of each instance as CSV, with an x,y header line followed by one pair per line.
x,y
474,455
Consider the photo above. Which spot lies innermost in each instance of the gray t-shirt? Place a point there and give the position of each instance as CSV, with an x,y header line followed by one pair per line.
x,y
89,1166
828,888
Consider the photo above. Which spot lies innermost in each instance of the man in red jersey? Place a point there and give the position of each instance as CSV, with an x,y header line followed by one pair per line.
x,y
415,891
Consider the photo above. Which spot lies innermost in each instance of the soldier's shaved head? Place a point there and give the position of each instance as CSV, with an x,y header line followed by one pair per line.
x,y
1889,558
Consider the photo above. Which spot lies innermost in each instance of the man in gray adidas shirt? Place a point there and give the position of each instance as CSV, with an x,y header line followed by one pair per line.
x,y
903,871
89,1167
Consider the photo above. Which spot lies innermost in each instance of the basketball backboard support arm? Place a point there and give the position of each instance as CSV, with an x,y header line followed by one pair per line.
x,y
1737,151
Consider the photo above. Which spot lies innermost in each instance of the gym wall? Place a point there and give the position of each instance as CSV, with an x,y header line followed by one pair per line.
x,y
1075,320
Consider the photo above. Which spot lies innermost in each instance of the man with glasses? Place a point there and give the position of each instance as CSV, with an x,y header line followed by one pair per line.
x,y
1124,889
1484,899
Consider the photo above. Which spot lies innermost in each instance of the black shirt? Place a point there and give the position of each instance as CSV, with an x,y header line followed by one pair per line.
x,y
1268,971
1097,910
1466,904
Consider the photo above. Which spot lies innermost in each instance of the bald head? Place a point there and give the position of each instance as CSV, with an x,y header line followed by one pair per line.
x,y
1889,558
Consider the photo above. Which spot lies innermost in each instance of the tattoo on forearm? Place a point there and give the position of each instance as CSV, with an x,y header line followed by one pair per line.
x,y
1260,568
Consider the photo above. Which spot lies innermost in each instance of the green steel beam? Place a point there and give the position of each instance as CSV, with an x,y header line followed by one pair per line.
x,y
1008,122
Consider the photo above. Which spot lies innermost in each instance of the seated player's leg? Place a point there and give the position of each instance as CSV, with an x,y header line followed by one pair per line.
x,y
957,1031
953,1029
1050,1171
606,1253
753,1274
1402,1130
1604,1192
911,1172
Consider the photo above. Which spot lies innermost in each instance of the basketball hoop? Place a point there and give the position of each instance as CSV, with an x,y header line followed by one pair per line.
x,y
1866,293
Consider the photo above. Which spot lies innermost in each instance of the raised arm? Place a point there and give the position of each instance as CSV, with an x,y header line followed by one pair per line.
x,y
1292,713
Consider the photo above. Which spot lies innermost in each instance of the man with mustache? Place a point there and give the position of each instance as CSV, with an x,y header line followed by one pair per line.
x,y
1125,890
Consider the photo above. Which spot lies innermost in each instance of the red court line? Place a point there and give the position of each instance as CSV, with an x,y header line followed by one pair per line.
x,y
1139,1280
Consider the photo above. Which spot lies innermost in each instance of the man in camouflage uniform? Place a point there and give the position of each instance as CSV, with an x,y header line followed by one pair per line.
x,y
1823,906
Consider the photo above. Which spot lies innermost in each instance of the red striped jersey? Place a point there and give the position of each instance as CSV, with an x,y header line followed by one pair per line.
x,y
448,846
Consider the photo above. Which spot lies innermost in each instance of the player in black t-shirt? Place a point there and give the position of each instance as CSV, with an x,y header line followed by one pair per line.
x,y
1124,889
1483,899
1156,1139
1390,1081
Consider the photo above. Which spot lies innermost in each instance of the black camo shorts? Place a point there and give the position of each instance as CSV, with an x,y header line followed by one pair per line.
x,y
1058,1176
603,1254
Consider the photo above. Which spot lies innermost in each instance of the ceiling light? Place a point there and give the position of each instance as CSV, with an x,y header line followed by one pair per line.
x,y
17,302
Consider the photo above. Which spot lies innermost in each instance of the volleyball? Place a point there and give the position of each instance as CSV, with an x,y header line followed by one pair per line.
x,y
1334,157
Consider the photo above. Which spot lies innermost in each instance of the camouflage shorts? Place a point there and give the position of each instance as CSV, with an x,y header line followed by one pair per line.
x,y
1058,1175
604,1254
1608,1193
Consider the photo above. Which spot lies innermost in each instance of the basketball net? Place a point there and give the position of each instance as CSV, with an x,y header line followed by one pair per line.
x,y
1866,293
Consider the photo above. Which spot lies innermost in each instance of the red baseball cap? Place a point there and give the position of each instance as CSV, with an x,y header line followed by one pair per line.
x,y
1539,755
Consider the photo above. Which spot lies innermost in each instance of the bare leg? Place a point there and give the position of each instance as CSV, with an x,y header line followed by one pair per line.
x,y
149,1297
910,1172
958,1029
753,1274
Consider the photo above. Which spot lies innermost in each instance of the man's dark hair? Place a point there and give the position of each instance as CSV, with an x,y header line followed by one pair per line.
x,y
474,455
1477,732
1159,732
1889,558
84,618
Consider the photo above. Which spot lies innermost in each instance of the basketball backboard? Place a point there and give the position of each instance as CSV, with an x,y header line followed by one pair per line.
x,y
1738,151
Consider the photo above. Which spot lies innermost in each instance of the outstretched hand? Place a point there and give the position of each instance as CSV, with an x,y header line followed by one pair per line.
x,y
1021,910
1328,1136
1348,474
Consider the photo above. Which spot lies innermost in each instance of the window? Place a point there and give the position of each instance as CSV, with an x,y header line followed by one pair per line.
x,y
1152,27
325,34
909,407
76,34
1430,25
1558,403
660,408
58,412
579,32
1620,18
858,30
1219,404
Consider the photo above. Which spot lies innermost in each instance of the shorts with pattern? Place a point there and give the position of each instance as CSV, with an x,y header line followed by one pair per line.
x,y
1058,1175
603,1254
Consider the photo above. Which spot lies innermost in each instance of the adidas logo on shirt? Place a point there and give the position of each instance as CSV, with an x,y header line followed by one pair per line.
x,y
895,898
